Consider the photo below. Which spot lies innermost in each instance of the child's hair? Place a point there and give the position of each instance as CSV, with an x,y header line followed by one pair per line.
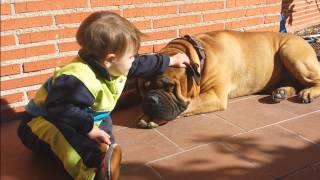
x,y
105,32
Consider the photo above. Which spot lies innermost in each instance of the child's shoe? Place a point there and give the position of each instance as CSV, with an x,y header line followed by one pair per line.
x,y
110,165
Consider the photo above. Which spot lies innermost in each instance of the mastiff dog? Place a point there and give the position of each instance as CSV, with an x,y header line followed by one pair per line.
x,y
230,64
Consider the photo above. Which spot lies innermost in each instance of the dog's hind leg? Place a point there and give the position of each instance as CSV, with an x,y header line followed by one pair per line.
x,y
300,60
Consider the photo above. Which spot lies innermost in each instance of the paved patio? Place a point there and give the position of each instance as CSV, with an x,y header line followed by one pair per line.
x,y
252,139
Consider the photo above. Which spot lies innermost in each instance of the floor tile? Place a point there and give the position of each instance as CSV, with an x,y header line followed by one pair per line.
x,y
292,105
143,173
208,162
196,130
306,126
18,163
140,146
126,118
250,113
274,150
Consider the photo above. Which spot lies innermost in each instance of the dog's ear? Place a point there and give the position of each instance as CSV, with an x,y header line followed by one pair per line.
x,y
142,86
192,71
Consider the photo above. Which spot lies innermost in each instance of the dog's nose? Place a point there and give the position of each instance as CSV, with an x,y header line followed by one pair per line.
x,y
153,100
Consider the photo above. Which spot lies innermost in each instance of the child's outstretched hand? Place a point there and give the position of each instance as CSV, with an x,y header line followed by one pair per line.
x,y
99,135
179,60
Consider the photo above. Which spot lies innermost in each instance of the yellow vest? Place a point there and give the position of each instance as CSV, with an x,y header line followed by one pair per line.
x,y
106,93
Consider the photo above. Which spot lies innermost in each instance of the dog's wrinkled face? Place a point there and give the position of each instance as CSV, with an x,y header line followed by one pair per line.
x,y
166,96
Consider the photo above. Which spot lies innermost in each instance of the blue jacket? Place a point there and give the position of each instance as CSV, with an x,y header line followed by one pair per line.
x,y
66,104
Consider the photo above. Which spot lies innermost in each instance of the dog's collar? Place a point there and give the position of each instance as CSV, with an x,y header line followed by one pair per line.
x,y
198,47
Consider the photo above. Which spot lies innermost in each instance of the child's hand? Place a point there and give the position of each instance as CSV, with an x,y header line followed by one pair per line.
x,y
99,136
179,60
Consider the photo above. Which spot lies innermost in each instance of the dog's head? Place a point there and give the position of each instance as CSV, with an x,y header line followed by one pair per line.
x,y
167,95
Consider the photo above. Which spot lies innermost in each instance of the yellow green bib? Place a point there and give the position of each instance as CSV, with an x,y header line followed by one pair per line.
x,y
106,93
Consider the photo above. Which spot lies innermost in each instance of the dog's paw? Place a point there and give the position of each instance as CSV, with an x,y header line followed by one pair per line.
x,y
279,95
152,125
307,95
142,124
147,125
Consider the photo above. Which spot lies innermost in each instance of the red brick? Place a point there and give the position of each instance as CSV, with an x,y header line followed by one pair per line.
x,y
46,64
30,94
11,113
158,47
201,6
249,2
159,35
5,9
271,19
223,15
47,35
150,11
69,46
142,1
75,17
272,9
11,98
7,40
103,3
302,13
239,3
231,3
176,21
299,18
201,29
307,21
263,10
71,18
274,28
27,52
244,23
34,6
143,24
23,82
146,49
10,70
22,23
273,1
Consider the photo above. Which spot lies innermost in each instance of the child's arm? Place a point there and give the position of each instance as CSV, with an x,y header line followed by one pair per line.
x,y
146,65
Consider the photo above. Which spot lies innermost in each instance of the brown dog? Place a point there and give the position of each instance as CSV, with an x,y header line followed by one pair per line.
x,y
236,64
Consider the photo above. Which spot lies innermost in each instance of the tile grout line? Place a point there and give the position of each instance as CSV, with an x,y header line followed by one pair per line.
x,y
234,125
164,136
238,154
303,115
178,153
243,98
298,135
155,171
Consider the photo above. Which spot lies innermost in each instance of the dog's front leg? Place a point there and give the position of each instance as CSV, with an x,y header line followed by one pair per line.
x,y
206,102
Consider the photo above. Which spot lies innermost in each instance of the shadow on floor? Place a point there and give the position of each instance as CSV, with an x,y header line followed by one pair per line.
x,y
280,157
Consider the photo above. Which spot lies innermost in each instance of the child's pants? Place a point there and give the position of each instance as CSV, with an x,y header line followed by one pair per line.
x,y
79,155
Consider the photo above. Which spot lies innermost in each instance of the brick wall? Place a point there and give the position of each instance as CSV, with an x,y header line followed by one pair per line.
x,y
300,14
37,36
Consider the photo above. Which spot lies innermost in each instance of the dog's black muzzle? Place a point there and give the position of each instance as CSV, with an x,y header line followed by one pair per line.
x,y
163,105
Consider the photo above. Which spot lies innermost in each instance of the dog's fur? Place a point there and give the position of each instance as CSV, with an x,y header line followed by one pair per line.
x,y
236,64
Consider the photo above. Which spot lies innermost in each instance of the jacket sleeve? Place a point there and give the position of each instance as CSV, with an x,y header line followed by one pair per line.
x,y
147,65
67,101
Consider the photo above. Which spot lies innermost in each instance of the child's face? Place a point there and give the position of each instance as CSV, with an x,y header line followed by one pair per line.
x,y
121,66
